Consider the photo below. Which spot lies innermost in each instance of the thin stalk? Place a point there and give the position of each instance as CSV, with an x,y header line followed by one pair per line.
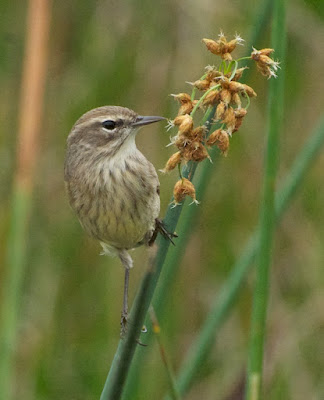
x,y
267,214
220,310
31,106
175,395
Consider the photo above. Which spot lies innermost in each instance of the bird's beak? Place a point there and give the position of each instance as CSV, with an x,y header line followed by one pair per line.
x,y
140,120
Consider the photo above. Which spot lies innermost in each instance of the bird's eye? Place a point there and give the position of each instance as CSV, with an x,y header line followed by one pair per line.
x,y
109,124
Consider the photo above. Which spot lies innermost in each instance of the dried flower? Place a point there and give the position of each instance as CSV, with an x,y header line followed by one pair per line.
x,y
236,99
225,96
239,116
184,122
266,65
173,161
211,98
187,104
198,134
220,110
202,84
182,189
195,151
229,119
249,91
221,47
220,139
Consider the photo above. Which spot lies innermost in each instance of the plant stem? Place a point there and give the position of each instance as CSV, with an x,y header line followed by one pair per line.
x,y
175,395
30,112
267,214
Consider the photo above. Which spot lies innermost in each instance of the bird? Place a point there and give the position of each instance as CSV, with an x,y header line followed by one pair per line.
x,y
112,187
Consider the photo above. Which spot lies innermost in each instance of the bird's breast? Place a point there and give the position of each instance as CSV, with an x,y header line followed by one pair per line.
x,y
117,200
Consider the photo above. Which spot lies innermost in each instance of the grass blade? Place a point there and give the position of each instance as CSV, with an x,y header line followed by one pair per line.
x,y
32,91
267,214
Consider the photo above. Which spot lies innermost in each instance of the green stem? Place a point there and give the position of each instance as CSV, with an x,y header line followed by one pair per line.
x,y
267,215
16,251
243,58
175,395
234,70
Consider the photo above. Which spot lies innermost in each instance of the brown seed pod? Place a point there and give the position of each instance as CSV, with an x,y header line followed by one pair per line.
x,y
229,119
220,139
225,96
182,97
172,162
236,99
211,98
181,141
185,108
198,134
182,189
195,151
212,46
203,84
235,87
184,122
249,91
220,110
239,116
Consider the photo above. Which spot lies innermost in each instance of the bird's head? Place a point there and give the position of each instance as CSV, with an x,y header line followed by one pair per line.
x,y
108,127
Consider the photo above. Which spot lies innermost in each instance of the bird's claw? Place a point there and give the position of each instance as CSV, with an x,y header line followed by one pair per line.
x,y
123,324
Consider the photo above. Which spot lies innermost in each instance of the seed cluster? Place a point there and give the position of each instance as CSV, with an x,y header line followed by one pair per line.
x,y
221,88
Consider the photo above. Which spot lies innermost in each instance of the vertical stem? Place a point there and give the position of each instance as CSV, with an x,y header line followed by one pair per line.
x,y
31,106
267,214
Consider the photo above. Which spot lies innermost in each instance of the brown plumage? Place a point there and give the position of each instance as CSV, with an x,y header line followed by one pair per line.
x,y
112,187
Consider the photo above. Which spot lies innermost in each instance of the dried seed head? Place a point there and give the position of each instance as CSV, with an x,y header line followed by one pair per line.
x,y
265,64
185,108
236,99
173,161
211,98
184,122
220,139
220,110
239,116
182,189
225,96
221,47
249,91
212,73
229,119
236,86
202,84
212,46
195,151
213,137
182,97
199,133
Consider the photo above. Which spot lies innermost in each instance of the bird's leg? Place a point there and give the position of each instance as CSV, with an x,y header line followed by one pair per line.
x,y
124,315
161,228
127,264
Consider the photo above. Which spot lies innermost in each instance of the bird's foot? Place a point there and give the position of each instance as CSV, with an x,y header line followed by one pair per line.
x,y
161,228
123,323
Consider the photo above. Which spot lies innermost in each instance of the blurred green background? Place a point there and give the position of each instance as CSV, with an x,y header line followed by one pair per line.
x,y
134,54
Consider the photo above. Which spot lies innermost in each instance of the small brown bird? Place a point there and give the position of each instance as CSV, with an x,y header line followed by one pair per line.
x,y
112,187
